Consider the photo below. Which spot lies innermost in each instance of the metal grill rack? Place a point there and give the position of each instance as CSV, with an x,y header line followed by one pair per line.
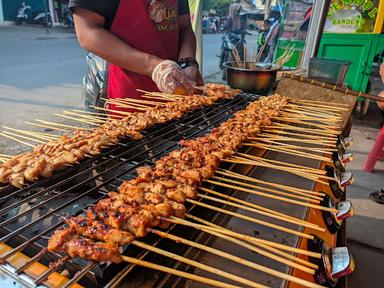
x,y
29,215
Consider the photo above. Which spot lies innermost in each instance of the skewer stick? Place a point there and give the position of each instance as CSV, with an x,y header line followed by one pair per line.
x,y
296,195
257,209
237,259
315,110
196,264
320,102
251,219
33,134
87,117
298,115
264,136
273,196
119,101
78,120
291,152
318,130
5,156
99,114
255,240
59,124
327,128
327,151
255,180
307,196
179,273
306,136
254,249
311,113
111,110
291,170
17,140
320,106
47,126
24,137
138,101
306,168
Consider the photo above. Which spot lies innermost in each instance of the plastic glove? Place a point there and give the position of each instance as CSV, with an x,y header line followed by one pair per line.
x,y
169,77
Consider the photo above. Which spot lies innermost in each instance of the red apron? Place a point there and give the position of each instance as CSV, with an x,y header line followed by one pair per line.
x,y
150,26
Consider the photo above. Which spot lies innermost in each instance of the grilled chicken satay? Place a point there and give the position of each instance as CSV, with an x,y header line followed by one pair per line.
x,y
98,230
65,240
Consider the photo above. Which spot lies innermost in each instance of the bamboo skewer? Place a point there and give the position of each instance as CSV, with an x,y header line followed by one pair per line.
x,y
306,168
311,113
24,137
273,196
33,134
196,264
252,248
143,102
47,126
317,110
317,132
99,114
5,156
264,136
300,116
291,170
257,241
123,113
58,124
257,209
320,102
321,106
17,140
306,136
236,259
87,117
295,195
179,273
251,219
276,185
304,196
291,152
326,128
78,120
123,102
327,151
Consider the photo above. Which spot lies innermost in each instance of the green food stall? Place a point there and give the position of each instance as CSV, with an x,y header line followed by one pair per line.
x,y
353,32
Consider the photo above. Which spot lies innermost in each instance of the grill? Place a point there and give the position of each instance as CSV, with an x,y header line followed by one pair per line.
x,y
29,215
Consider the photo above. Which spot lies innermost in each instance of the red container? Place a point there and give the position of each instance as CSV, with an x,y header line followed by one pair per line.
x,y
256,81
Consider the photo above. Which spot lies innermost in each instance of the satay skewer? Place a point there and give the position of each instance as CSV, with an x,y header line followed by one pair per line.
x,y
266,244
257,250
119,101
327,151
179,273
232,174
122,113
33,134
306,168
313,114
251,219
304,136
58,124
17,140
320,102
292,201
47,126
196,264
321,106
24,137
236,259
94,122
316,132
98,114
263,136
328,128
87,116
248,207
5,156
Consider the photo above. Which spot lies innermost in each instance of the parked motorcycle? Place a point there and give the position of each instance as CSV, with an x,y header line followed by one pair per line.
x,y
26,14
67,19
22,13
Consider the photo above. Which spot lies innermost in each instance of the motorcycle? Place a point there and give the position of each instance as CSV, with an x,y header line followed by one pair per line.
x,y
230,42
25,13
67,19
22,13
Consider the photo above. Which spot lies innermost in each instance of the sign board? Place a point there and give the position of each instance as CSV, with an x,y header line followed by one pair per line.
x,y
352,16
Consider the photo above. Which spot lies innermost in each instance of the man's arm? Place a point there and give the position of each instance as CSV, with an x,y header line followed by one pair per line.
x,y
95,38
187,47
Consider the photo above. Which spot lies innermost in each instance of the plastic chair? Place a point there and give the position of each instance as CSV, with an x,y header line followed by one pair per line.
x,y
376,153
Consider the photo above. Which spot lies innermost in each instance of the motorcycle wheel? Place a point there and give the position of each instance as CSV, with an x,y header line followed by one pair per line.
x,y
19,21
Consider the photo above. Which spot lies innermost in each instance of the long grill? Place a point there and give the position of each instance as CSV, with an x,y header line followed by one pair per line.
x,y
30,215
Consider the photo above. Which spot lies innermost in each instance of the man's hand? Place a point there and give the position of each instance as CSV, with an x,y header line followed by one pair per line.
x,y
169,77
193,73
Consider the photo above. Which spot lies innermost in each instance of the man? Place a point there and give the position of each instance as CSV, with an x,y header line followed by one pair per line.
x,y
149,44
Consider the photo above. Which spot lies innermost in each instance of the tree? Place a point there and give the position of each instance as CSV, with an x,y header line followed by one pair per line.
x,y
221,6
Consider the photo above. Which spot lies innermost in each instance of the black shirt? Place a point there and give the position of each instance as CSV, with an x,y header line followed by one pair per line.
x,y
108,8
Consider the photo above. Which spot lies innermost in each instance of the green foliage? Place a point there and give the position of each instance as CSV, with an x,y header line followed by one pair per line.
x,y
221,6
